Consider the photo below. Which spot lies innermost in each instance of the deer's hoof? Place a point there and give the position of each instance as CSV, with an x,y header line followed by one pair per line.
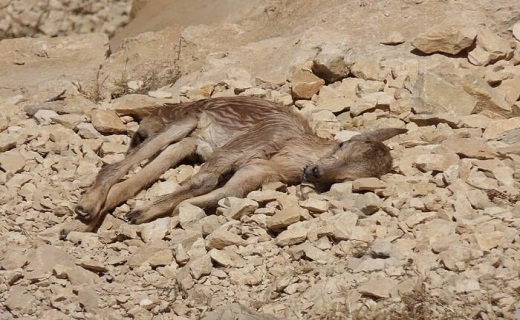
x,y
134,216
82,213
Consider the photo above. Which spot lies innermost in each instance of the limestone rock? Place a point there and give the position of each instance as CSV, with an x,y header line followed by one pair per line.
x,y
394,38
368,69
516,30
487,99
232,310
155,230
490,48
201,266
304,84
227,258
450,40
291,236
222,238
437,91
368,184
287,215
236,208
189,215
379,288
470,148
107,122
498,128
12,161
44,117
155,253
332,62
368,203
435,162
93,265
457,257
20,300
13,259
315,205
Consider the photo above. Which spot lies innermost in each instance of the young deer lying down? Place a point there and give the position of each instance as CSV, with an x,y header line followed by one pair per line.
x,y
244,142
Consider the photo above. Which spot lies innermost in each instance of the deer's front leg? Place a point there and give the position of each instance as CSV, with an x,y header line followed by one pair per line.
x,y
201,183
92,202
245,180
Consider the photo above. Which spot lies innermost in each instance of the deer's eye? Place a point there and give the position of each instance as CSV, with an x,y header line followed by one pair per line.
x,y
342,144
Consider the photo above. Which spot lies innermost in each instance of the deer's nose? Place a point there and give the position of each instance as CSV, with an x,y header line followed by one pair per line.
x,y
312,172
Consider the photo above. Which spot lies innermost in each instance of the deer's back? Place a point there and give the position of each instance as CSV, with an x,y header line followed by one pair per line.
x,y
223,120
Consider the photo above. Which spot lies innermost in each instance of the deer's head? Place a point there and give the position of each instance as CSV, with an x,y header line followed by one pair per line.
x,y
364,155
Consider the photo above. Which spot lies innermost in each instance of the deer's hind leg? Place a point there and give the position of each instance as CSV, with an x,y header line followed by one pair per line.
x,y
245,180
93,201
124,190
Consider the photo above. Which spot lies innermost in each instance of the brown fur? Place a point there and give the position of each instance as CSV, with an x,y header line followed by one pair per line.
x,y
249,139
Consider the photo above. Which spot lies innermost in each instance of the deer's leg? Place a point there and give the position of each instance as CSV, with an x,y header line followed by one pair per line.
x,y
201,183
245,180
168,158
92,202
122,191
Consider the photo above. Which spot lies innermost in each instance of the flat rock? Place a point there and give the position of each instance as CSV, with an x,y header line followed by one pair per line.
x,y
155,230
498,128
437,91
236,208
201,266
20,301
489,48
107,122
12,161
332,62
137,105
231,311
13,259
287,215
450,39
378,288
222,238
291,236
189,215
155,253
470,148
516,30
435,162
227,258
315,205
368,69
368,184
304,84
44,117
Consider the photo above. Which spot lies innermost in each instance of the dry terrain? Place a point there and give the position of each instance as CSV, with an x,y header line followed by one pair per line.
x,y
436,238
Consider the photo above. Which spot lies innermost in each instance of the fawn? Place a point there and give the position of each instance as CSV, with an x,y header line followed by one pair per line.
x,y
244,143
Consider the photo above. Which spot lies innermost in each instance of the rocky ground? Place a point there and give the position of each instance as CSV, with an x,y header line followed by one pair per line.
x,y
437,238
22,18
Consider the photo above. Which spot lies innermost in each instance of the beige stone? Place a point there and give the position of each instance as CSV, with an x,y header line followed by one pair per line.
x,y
107,122
498,128
222,238
291,236
287,215
236,208
12,161
379,288
332,62
451,39
304,84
